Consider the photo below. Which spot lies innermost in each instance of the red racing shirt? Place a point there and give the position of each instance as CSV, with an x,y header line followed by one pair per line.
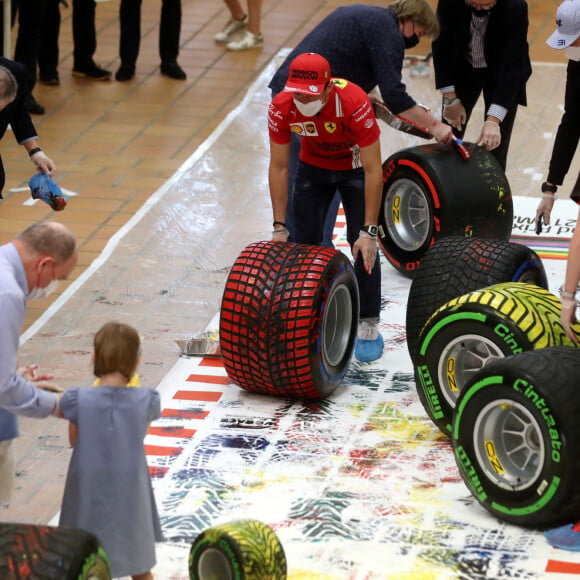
x,y
332,138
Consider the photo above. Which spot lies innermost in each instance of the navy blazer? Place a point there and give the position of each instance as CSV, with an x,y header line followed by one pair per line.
x,y
505,47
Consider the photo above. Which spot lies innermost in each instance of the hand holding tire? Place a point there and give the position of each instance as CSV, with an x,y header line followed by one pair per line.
x,y
490,136
455,114
367,246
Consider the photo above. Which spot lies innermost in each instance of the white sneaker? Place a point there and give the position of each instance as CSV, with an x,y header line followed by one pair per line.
x,y
232,26
247,41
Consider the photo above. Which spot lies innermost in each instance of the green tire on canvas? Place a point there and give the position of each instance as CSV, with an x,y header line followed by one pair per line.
x,y
238,550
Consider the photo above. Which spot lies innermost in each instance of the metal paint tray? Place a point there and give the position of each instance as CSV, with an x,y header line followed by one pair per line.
x,y
200,344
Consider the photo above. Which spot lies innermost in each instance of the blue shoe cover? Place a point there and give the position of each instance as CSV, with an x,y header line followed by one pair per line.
x,y
44,188
565,537
369,350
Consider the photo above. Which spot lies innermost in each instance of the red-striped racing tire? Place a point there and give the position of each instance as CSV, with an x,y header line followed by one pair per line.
x,y
430,192
29,552
288,319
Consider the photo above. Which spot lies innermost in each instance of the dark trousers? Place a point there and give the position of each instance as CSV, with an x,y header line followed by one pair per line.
x,y
568,133
330,220
37,40
471,84
314,190
84,33
169,30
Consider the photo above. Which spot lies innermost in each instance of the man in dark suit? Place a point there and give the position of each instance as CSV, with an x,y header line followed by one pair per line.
x,y
483,47
13,96
169,32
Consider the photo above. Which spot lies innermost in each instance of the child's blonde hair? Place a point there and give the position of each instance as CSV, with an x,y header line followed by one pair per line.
x,y
117,349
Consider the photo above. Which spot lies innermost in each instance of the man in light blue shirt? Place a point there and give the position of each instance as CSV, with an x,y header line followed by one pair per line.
x,y
30,267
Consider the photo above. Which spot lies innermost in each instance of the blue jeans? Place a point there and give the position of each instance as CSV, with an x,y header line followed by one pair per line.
x,y
314,190
330,220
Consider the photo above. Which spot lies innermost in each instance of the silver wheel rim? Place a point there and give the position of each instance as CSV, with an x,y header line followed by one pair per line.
x,y
213,564
460,360
406,213
336,325
509,445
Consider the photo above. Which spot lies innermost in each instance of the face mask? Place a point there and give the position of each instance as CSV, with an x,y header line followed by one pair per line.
x,y
573,52
481,12
411,41
39,293
309,109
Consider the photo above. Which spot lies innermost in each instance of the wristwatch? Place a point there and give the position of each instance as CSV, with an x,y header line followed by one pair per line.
x,y
449,100
371,230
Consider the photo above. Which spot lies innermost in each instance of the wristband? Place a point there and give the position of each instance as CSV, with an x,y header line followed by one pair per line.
x,y
547,187
363,234
276,223
569,302
565,294
34,151
281,231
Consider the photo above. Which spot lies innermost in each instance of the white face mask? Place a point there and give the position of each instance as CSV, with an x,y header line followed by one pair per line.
x,y
573,52
309,109
40,293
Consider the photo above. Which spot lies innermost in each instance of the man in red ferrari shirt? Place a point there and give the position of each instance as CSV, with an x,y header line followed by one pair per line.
x,y
339,150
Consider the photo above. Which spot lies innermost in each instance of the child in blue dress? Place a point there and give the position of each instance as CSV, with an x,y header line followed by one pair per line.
x,y
108,489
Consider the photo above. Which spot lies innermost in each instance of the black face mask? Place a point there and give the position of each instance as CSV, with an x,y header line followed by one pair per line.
x,y
479,13
411,41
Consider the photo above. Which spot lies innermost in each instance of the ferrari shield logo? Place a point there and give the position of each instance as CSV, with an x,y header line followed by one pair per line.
x,y
330,126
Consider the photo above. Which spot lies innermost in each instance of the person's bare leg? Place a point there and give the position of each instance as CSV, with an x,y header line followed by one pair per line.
x,y
146,576
254,16
235,8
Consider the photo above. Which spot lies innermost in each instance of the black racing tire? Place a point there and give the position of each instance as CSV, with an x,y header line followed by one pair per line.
x,y
516,437
238,550
29,552
431,192
469,331
288,319
456,265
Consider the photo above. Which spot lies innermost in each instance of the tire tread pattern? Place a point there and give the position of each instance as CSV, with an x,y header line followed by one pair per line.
x,y
46,553
457,265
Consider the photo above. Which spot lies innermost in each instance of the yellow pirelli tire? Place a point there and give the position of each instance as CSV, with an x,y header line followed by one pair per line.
x,y
237,550
517,440
467,332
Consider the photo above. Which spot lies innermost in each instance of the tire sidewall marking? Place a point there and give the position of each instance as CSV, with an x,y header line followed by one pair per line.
x,y
426,179
524,391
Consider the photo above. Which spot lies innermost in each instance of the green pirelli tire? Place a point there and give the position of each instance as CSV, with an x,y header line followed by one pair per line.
x,y
516,437
467,332
238,550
